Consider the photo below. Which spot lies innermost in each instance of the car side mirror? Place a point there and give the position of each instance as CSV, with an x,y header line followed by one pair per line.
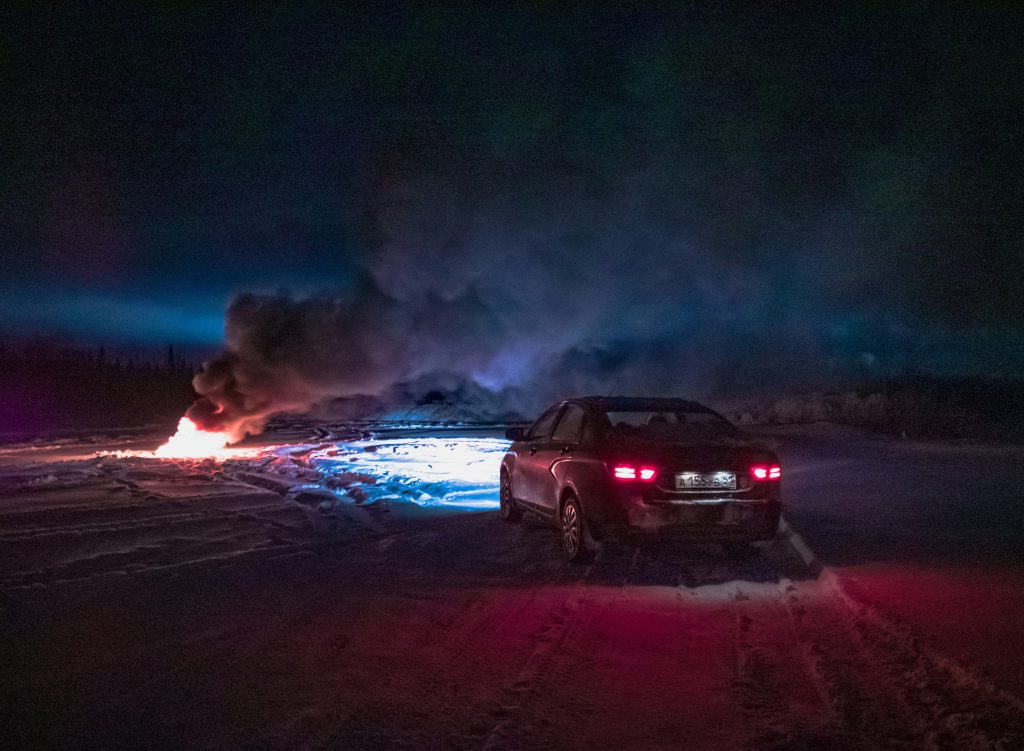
x,y
515,434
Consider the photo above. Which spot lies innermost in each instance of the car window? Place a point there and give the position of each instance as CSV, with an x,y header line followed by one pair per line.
x,y
590,432
670,424
542,428
568,429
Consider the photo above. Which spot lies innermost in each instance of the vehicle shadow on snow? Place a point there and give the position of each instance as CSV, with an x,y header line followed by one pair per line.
x,y
694,564
475,548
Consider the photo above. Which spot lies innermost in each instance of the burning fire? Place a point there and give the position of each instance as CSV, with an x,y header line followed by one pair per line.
x,y
192,442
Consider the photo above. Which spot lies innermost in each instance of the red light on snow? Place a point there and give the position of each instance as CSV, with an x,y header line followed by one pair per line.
x,y
629,472
766,472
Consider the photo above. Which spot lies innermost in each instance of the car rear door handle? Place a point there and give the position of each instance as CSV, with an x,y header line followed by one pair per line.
x,y
533,450
566,449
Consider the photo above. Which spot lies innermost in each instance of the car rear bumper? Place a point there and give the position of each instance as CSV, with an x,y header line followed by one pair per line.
x,y
706,519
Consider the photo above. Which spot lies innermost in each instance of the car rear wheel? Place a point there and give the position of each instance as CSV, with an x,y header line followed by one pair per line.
x,y
506,504
574,534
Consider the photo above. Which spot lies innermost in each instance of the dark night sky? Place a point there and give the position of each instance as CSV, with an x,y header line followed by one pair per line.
x,y
827,190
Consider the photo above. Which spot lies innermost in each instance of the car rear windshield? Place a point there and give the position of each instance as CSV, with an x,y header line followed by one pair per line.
x,y
670,424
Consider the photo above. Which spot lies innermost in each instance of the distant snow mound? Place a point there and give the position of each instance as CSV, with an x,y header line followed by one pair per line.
x,y
426,402
434,413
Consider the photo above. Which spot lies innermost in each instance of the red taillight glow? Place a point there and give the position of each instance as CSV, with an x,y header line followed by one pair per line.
x,y
625,473
629,472
766,472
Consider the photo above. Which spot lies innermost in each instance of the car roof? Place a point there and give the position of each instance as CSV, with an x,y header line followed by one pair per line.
x,y
639,403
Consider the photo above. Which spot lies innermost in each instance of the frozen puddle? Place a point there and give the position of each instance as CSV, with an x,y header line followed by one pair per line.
x,y
461,472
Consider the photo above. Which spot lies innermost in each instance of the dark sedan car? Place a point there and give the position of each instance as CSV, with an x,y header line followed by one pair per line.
x,y
618,466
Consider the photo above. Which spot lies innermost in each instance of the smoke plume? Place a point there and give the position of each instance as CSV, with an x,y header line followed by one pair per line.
x,y
526,301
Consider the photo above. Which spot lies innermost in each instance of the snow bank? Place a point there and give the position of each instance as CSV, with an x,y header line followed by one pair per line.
x,y
899,412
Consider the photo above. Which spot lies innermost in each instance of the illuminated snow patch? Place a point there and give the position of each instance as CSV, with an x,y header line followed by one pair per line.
x,y
427,471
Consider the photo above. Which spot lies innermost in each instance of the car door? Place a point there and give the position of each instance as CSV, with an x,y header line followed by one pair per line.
x,y
527,473
559,448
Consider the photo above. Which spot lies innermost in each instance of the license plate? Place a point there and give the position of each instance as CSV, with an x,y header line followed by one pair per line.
x,y
706,481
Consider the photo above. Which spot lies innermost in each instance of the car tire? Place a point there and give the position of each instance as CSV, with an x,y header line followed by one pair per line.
x,y
573,529
507,507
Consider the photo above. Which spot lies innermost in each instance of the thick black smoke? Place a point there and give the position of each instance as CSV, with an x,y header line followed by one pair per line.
x,y
285,355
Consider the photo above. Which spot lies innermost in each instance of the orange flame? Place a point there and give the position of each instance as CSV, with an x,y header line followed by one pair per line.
x,y
192,442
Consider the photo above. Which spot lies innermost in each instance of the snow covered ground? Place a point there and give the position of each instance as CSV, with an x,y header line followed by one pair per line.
x,y
354,590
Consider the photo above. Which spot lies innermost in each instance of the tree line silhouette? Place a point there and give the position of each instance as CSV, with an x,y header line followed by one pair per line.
x,y
46,386
50,386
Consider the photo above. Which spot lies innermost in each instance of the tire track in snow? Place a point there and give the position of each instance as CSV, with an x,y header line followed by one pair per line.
x,y
761,691
159,521
511,726
881,686
460,631
507,725
954,708
140,560
885,691
510,723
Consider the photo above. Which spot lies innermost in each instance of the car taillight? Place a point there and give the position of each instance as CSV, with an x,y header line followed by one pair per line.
x,y
766,472
630,472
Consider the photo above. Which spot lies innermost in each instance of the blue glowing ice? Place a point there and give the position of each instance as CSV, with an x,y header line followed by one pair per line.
x,y
456,471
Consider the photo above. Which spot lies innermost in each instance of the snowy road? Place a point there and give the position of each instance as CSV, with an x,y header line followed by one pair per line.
x,y
168,605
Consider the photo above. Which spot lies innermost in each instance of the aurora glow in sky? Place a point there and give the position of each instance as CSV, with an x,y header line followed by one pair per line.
x,y
584,195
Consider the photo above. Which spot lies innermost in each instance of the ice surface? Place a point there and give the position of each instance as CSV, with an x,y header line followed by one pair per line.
x,y
457,471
